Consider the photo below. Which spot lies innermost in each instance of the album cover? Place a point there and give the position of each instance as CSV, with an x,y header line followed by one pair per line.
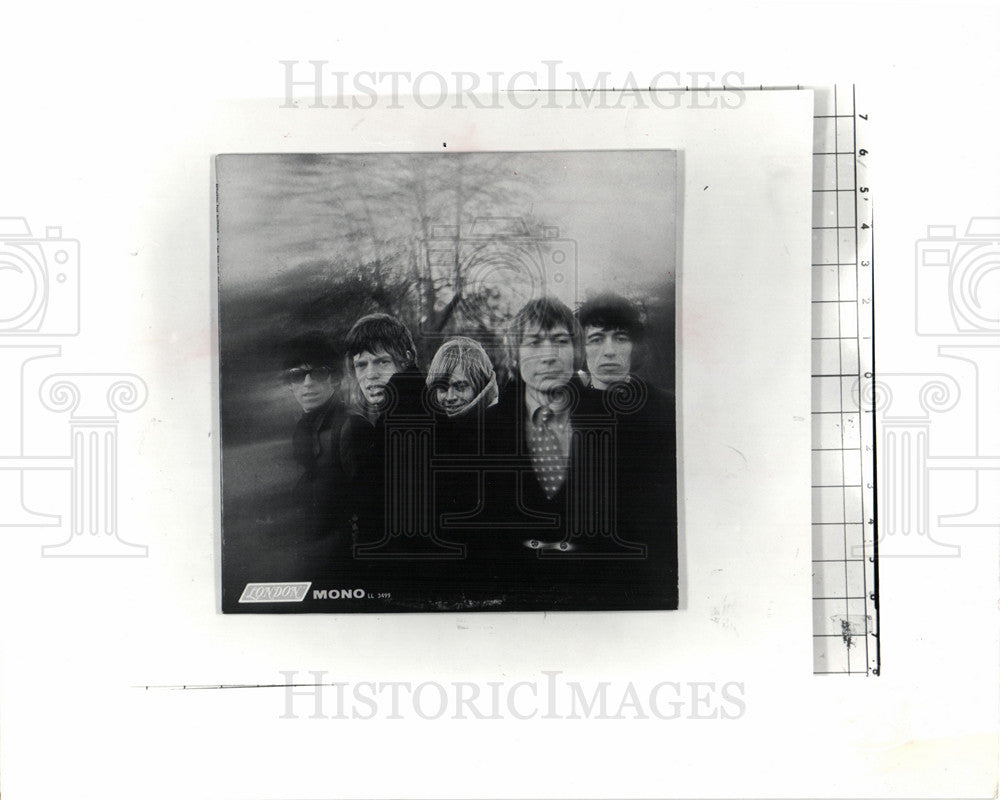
x,y
447,381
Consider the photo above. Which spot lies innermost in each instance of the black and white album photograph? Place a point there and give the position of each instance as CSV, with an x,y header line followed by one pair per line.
x,y
411,402
447,381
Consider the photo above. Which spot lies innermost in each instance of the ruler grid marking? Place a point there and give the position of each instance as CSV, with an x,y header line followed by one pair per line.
x,y
857,335
841,464
840,349
836,454
873,594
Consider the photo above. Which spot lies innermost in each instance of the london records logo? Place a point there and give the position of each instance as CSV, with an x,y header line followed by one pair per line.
x,y
294,593
275,592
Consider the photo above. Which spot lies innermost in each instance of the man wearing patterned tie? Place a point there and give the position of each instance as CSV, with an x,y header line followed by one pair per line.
x,y
546,357
568,539
545,349
532,428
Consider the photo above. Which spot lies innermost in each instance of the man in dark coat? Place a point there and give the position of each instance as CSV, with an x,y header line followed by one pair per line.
x,y
574,535
310,370
613,336
384,382
385,449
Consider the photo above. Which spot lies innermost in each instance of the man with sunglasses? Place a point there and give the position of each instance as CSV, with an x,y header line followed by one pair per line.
x,y
311,374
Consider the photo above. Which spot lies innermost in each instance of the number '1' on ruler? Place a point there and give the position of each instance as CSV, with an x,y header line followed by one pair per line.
x,y
844,540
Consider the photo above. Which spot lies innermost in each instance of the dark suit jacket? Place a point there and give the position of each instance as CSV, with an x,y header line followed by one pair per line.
x,y
608,537
363,454
647,476
315,446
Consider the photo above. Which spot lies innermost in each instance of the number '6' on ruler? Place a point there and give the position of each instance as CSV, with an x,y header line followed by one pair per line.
x,y
844,537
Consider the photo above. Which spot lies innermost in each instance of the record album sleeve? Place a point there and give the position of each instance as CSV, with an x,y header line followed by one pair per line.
x,y
447,381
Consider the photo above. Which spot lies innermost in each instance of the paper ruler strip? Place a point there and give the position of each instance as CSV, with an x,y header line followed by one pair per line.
x,y
844,540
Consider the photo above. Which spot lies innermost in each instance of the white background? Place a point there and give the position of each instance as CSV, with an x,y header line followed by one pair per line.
x,y
110,110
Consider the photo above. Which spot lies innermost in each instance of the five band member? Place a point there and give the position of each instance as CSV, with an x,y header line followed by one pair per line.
x,y
612,330
535,414
645,433
383,380
544,480
461,378
311,372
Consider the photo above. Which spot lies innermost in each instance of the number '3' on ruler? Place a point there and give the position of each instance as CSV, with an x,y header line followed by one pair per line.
x,y
844,539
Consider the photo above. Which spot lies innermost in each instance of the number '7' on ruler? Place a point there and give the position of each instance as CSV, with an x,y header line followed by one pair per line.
x,y
844,539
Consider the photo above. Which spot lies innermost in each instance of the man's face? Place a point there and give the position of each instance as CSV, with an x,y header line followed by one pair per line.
x,y
311,386
456,393
609,354
546,358
373,371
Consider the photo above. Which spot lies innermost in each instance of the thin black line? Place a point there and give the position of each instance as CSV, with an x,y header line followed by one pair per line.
x,y
836,486
839,339
838,523
838,598
835,560
837,264
834,375
875,577
851,302
856,411
823,449
831,338
842,153
857,325
236,686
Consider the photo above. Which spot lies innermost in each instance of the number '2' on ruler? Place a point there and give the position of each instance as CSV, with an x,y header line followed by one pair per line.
x,y
844,540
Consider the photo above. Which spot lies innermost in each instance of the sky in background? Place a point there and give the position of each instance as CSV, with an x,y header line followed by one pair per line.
x,y
278,211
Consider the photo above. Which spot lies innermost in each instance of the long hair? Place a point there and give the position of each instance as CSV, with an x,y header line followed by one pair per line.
x,y
313,348
544,313
467,354
612,312
374,333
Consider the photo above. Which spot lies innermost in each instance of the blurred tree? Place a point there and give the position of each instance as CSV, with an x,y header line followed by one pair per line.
x,y
388,234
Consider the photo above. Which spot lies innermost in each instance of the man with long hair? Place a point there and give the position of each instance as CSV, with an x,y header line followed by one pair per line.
x,y
383,379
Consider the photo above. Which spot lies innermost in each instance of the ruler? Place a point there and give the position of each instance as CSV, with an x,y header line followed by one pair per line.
x,y
844,537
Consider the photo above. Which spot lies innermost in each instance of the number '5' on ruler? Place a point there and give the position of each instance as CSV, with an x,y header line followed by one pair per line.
x,y
844,537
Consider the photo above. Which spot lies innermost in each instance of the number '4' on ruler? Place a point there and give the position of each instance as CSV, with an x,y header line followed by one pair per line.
x,y
844,539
